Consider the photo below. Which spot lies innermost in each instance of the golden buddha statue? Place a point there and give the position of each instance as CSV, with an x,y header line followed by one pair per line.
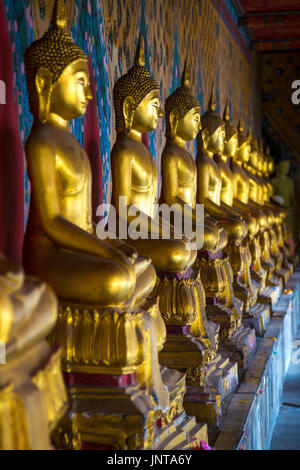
x,y
281,215
179,181
230,262
134,174
282,267
252,162
32,393
110,342
227,198
134,178
285,188
210,147
247,148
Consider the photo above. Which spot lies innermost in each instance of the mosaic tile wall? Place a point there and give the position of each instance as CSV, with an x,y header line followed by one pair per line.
x,y
205,31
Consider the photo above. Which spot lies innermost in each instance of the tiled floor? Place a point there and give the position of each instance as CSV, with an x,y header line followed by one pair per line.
x,y
286,434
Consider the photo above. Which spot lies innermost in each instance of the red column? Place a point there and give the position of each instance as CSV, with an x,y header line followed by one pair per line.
x,y
11,157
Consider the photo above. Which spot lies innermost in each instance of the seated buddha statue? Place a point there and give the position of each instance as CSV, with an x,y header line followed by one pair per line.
x,y
134,173
281,215
276,234
61,246
179,181
209,191
110,342
211,142
33,397
247,148
235,193
227,198
179,172
135,179
209,183
253,162
284,186
137,109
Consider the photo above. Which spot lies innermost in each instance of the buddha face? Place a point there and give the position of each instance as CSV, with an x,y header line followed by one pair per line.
x,y
216,142
146,115
189,126
70,96
231,146
244,152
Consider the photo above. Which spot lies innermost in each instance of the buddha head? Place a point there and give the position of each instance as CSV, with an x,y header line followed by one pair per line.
x,y
231,135
213,130
243,153
136,97
283,168
57,73
182,108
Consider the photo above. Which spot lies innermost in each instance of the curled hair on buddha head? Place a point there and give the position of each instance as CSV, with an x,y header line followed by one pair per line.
x,y
136,83
182,99
210,119
53,52
230,130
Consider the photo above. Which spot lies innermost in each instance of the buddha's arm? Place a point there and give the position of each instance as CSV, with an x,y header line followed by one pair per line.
x,y
121,176
203,191
42,172
231,211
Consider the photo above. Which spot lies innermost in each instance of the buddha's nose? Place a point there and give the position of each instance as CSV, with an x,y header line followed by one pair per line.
x,y
89,95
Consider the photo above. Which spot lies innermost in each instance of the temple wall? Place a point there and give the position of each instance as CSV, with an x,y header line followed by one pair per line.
x,y
205,31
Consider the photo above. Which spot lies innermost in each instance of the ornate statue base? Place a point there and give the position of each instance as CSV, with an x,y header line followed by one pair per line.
x,y
258,317
32,398
236,340
120,397
205,402
192,342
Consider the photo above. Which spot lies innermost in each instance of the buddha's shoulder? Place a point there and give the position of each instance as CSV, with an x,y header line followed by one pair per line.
x,y
48,138
203,160
171,153
128,149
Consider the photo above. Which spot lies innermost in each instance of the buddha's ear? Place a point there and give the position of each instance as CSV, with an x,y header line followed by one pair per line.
x,y
173,120
44,85
128,111
205,137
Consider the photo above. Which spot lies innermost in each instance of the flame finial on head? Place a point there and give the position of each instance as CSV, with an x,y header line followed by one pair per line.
x,y
226,115
60,14
240,126
230,130
212,104
243,139
140,52
185,79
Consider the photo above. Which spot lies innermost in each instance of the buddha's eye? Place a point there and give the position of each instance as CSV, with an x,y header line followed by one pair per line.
x,y
81,81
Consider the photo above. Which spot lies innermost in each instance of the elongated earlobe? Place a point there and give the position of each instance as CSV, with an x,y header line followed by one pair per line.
x,y
173,118
43,83
128,112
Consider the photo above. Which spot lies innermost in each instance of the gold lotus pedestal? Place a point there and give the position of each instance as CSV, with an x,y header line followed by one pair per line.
x,y
120,397
191,347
